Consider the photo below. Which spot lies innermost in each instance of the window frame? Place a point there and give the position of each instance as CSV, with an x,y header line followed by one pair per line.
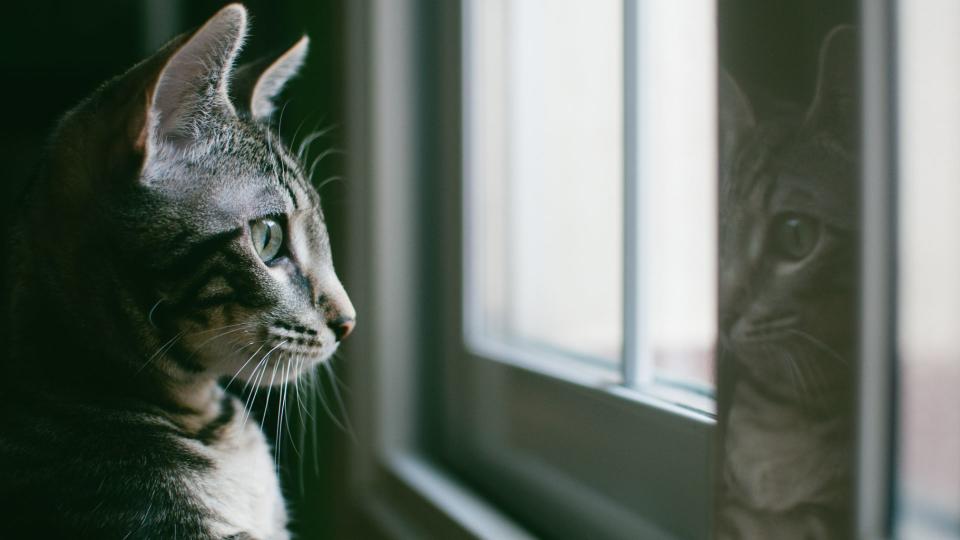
x,y
503,448
404,408
406,477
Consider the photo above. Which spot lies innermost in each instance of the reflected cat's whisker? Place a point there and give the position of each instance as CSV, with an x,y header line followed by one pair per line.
x,y
819,344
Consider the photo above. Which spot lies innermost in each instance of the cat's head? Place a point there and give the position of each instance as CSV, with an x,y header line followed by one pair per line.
x,y
175,228
788,226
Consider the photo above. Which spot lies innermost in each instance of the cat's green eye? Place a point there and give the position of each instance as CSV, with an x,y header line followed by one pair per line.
x,y
267,237
795,236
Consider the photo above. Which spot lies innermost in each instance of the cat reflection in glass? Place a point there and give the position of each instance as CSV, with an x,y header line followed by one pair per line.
x,y
788,260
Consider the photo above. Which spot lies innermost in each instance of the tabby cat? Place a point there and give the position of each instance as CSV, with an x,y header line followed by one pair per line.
x,y
170,244
789,218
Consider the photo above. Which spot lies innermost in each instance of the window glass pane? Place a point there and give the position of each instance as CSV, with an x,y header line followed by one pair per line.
x,y
929,417
545,176
675,199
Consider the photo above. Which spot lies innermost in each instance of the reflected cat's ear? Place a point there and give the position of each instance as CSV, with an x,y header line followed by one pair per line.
x,y
834,107
192,85
258,83
736,115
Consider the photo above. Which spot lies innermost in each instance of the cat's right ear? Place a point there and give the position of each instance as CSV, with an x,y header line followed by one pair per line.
x,y
257,84
192,85
736,117
835,100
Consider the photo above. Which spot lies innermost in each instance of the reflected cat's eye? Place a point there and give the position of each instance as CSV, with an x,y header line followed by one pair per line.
x,y
794,236
267,237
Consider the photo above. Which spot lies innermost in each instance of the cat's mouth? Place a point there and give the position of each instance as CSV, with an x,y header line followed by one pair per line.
x,y
764,329
296,340
280,354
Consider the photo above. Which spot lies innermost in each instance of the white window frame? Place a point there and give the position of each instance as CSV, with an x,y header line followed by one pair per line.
x,y
417,426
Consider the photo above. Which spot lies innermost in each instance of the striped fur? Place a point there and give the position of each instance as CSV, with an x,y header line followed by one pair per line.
x,y
135,293
788,317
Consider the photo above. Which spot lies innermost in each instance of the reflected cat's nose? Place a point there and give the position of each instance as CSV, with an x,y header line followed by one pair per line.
x,y
342,327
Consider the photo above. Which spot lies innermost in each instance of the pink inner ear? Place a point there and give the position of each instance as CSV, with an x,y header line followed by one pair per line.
x,y
183,87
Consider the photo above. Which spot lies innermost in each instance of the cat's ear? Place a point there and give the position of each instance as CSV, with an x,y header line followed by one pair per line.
x,y
835,104
192,85
258,83
735,114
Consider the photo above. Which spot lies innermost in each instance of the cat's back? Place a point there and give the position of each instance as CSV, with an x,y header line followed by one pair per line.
x,y
83,469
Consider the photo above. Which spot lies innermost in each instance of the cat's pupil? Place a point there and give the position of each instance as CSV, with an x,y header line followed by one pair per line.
x,y
267,236
796,236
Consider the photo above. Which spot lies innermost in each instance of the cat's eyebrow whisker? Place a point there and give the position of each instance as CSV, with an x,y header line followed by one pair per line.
x,y
326,181
296,132
280,121
308,141
316,161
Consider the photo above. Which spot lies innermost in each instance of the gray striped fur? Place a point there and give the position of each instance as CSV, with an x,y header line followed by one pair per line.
x,y
135,292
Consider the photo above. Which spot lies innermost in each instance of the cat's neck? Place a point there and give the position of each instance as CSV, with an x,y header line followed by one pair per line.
x,y
194,404
53,356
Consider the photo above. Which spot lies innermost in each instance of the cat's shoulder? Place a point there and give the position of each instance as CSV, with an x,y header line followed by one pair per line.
x,y
95,470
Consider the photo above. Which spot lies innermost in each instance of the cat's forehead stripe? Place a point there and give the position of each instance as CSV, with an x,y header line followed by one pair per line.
x,y
292,181
279,174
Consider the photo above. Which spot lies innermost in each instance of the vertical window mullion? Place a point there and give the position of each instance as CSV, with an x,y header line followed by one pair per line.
x,y
670,194
878,251
635,369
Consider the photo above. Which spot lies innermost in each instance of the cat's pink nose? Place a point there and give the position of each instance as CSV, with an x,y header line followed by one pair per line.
x,y
342,327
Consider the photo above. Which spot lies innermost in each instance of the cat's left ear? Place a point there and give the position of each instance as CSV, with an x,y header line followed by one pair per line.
x,y
835,102
257,84
191,87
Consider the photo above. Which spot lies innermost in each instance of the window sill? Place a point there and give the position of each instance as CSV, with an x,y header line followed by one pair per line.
x,y
414,498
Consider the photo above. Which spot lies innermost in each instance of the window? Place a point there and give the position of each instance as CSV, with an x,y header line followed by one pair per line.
x,y
929,300
538,356
545,162
585,377
560,209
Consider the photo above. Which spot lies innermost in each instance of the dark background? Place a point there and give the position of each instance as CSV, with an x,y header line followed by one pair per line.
x,y
771,47
53,53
